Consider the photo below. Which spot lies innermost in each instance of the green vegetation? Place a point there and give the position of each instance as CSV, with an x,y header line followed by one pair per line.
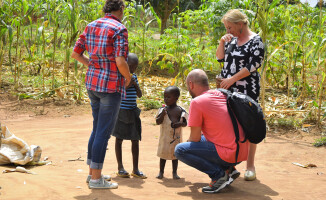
x,y
151,104
320,142
289,123
37,37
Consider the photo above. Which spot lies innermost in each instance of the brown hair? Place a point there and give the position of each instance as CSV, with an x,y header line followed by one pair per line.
x,y
235,16
113,5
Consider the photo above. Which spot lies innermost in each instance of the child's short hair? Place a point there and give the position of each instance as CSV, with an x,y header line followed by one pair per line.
x,y
174,90
133,58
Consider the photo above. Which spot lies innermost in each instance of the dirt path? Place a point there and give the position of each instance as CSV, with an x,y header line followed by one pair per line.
x,y
63,137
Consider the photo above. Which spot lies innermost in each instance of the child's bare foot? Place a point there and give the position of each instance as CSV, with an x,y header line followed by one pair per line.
x,y
175,176
160,175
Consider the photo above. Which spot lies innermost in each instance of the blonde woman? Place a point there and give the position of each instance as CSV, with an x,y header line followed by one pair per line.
x,y
242,52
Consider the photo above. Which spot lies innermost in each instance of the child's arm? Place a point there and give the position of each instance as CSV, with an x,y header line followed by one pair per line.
x,y
160,117
184,122
138,90
179,124
134,81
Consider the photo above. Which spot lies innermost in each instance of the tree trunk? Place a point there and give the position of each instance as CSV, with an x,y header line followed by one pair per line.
x,y
163,9
164,23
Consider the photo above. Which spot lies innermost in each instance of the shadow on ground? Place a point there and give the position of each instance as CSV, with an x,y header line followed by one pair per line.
x,y
238,190
101,194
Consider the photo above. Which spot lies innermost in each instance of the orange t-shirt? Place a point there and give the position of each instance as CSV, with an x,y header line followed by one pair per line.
x,y
209,111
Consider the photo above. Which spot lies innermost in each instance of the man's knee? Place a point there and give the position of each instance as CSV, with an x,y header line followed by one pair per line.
x,y
179,150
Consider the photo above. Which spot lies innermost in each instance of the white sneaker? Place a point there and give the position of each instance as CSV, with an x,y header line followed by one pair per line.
x,y
102,184
106,177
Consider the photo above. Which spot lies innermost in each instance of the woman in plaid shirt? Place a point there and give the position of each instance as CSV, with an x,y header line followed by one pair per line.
x,y
106,42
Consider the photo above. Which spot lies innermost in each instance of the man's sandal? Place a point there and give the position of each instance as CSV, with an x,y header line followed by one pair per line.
x,y
139,174
123,173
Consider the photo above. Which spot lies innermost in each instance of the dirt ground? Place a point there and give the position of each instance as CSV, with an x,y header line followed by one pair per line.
x,y
62,130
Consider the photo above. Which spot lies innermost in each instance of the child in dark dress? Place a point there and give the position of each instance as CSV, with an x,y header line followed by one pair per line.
x,y
128,126
171,118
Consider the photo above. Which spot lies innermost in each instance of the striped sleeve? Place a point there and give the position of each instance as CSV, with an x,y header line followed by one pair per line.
x,y
130,102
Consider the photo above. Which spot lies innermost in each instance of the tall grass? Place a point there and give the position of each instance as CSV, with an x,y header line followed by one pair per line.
x,y
262,18
320,49
1,60
294,38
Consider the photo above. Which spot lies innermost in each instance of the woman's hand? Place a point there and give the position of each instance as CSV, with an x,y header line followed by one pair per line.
x,y
218,81
226,38
226,83
220,49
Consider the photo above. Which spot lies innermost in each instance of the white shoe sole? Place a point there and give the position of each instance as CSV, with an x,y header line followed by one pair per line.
x,y
111,186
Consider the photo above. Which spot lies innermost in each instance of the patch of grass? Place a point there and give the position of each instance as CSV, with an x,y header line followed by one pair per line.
x,y
151,104
25,96
320,142
288,123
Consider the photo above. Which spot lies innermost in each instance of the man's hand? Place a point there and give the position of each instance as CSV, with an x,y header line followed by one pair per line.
x,y
123,69
132,82
127,83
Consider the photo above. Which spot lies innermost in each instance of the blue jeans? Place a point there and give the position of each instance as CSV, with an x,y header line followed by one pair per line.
x,y
105,107
202,156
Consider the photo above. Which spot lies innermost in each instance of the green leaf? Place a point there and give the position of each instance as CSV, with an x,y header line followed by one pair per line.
x,y
315,104
273,4
169,65
158,19
3,30
171,70
148,23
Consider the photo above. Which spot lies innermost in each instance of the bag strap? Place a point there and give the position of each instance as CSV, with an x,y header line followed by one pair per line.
x,y
233,119
235,127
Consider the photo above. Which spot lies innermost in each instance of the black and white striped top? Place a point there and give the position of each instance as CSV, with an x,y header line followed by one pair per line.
x,y
250,55
130,102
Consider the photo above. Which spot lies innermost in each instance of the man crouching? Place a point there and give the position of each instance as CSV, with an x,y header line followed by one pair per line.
x,y
211,147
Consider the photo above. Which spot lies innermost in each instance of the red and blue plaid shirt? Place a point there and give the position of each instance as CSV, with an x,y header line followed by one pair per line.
x,y
104,39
